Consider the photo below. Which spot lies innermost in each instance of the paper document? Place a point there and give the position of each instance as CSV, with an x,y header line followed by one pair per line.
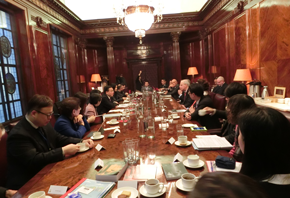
x,y
211,143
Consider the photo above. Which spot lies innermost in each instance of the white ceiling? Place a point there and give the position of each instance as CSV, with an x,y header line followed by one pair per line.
x,y
102,9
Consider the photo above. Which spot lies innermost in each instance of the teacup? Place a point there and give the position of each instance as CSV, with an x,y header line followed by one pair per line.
x,y
113,120
202,112
82,146
182,139
188,180
38,194
193,160
153,186
97,134
174,115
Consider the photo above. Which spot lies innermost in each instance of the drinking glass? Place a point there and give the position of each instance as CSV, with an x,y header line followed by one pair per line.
x,y
150,128
179,130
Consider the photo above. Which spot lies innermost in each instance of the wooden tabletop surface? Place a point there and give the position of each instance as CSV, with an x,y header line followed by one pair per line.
x,y
69,171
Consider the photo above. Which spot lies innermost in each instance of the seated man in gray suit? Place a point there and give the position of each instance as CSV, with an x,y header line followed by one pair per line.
x,y
146,87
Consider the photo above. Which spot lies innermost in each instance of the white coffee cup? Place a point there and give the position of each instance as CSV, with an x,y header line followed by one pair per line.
x,y
188,180
281,101
193,160
201,112
182,139
82,145
287,101
113,120
38,194
97,134
152,186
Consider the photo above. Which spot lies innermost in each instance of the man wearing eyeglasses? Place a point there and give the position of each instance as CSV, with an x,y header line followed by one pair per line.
x,y
33,143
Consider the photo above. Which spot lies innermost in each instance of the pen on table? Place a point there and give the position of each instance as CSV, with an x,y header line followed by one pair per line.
x,y
211,164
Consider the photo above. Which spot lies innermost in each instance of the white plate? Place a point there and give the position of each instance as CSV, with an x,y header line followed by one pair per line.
x,y
143,192
180,186
176,117
83,150
189,125
199,165
178,144
117,192
46,196
97,138
112,123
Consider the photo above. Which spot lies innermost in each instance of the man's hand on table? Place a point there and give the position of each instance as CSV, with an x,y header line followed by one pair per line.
x,y
10,193
89,143
191,110
91,119
70,149
209,110
188,116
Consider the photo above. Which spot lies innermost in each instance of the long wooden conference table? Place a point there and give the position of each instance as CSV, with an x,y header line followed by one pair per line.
x,y
69,171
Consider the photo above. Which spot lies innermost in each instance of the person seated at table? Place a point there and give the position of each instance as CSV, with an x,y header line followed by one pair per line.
x,y
95,91
264,140
5,192
237,105
33,143
173,91
185,100
146,86
164,86
118,95
139,82
226,185
94,102
205,86
228,129
221,86
107,101
83,104
196,93
71,123
122,90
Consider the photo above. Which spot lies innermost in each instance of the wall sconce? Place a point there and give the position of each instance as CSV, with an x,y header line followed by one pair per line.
x,y
81,79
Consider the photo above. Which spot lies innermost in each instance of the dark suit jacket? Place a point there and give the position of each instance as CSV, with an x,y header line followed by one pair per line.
x,y
220,89
118,96
106,105
164,86
3,192
65,126
174,92
210,122
28,152
138,84
187,101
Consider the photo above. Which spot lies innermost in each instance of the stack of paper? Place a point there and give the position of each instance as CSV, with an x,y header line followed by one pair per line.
x,y
212,167
210,142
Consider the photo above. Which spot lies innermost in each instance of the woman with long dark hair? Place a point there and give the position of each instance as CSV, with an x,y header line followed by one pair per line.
x,y
264,140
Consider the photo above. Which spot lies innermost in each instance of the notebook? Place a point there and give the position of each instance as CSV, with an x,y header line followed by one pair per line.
x,y
210,142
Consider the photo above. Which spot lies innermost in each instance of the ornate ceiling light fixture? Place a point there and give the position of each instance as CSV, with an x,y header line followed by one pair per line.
x,y
138,15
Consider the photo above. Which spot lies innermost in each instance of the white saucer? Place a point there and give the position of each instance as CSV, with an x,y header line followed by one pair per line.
x,y
46,196
189,125
97,138
176,117
117,192
87,148
178,144
112,123
180,186
143,192
199,165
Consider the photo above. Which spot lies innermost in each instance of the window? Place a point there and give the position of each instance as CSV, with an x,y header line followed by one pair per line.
x,y
59,44
10,98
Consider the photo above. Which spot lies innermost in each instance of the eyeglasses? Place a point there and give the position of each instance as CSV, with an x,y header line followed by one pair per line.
x,y
48,115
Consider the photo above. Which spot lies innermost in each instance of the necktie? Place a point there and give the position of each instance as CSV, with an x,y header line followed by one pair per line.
x,y
40,131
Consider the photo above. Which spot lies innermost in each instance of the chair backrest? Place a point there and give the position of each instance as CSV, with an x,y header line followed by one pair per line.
x,y
3,160
56,109
211,94
219,102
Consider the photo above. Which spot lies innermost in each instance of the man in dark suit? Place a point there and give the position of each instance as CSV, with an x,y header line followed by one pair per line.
x,y
173,91
196,93
221,86
107,100
33,143
163,84
184,97
146,87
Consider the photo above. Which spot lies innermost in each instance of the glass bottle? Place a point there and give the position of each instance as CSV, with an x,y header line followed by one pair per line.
x,y
265,92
